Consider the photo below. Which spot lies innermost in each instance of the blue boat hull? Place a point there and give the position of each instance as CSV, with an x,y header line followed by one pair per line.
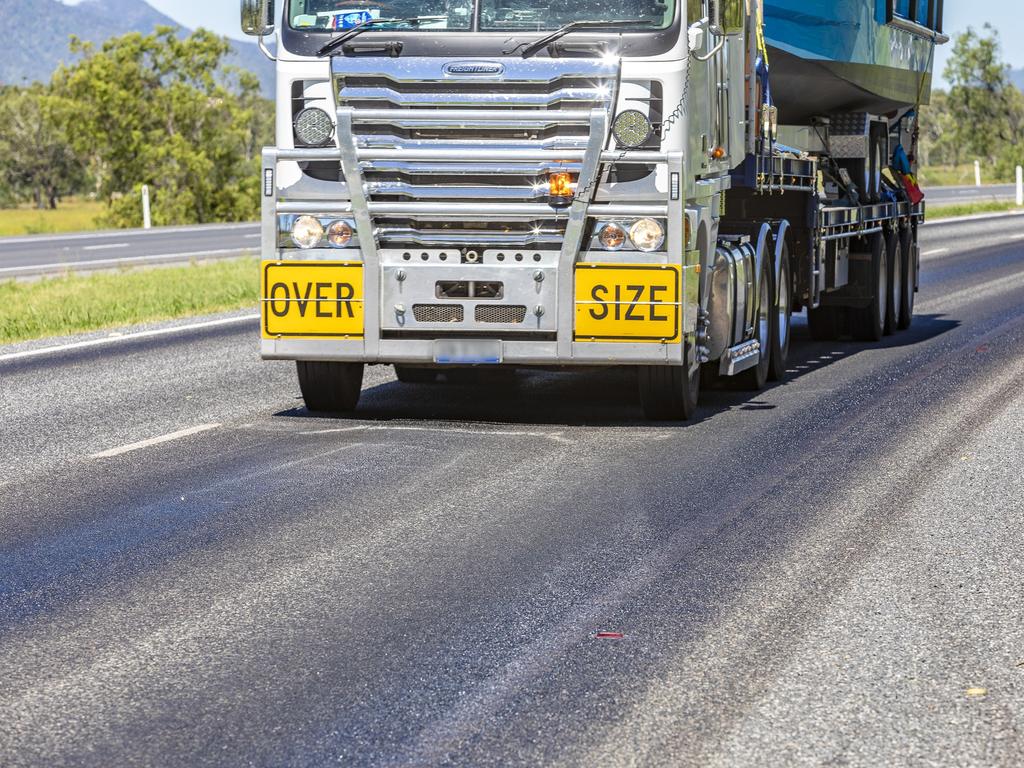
x,y
829,56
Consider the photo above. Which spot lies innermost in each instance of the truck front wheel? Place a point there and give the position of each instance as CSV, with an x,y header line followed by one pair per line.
x,y
669,392
330,387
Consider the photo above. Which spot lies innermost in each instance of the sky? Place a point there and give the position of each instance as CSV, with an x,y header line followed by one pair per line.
x,y
1005,15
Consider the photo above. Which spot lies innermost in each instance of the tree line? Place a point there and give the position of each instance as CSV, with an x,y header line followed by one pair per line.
x,y
981,116
160,110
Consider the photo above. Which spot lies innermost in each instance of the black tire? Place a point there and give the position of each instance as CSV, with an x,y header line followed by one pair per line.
x,y
755,378
894,262
411,374
906,316
782,316
669,392
329,387
868,323
825,323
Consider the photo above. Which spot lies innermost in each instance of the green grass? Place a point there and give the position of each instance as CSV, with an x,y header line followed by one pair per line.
x,y
969,209
74,303
70,216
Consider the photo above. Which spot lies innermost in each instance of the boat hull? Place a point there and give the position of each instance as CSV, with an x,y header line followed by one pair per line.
x,y
831,56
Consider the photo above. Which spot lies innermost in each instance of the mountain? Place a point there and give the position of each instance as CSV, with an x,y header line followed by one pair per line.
x,y
1017,78
33,47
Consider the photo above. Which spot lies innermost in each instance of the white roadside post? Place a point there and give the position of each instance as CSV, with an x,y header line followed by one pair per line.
x,y
1020,185
977,173
146,221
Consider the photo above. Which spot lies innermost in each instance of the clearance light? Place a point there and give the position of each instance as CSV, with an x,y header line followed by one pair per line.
x,y
612,236
560,184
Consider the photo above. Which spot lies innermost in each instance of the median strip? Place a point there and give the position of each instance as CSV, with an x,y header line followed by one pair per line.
x,y
153,441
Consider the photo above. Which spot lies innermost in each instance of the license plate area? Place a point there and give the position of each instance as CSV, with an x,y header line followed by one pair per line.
x,y
628,302
467,351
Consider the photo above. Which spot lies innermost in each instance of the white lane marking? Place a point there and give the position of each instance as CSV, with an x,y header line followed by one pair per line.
x,y
951,220
1017,237
935,251
153,441
253,236
105,247
126,260
556,436
123,233
114,338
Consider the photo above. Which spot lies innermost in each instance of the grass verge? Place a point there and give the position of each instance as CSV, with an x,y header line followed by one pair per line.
x,y
969,209
73,303
70,216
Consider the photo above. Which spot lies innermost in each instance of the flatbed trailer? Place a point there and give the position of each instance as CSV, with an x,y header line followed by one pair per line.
x,y
512,184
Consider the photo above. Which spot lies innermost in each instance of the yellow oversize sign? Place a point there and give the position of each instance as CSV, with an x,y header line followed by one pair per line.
x,y
312,299
628,302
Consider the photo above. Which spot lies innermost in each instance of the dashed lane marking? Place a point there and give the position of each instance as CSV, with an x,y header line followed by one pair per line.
x,y
153,441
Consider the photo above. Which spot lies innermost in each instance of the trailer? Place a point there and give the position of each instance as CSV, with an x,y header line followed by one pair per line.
x,y
657,184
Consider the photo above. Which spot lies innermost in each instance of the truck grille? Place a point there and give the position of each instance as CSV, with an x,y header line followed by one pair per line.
x,y
414,97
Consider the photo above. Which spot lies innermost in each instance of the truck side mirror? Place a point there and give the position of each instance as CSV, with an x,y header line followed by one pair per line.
x,y
257,17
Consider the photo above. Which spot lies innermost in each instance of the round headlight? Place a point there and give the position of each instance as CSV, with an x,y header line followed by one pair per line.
x,y
339,234
313,126
307,231
647,235
632,128
612,236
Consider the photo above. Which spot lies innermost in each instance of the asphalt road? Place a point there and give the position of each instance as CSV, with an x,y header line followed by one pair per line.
x,y
824,573
970,194
43,254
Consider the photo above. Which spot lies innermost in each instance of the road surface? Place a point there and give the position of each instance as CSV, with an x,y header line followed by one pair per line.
x,y
48,254
195,571
938,196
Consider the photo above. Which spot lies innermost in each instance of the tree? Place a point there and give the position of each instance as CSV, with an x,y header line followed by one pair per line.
x,y
986,109
36,160
164,110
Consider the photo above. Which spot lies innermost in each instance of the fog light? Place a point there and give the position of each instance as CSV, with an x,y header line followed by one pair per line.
x,y
307,232
560,184
632,128
339,234
612,236
647,235
313,126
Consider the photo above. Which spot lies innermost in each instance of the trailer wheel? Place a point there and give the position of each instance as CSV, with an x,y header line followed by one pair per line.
x,y
756,377
669,392
825,322
330,387
906,316
897,277
782,316
411,374
868,323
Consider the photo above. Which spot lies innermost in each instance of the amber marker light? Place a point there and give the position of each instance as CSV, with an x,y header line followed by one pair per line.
x,y
560,184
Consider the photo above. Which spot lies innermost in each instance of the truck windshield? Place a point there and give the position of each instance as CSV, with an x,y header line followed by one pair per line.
x,y
455,15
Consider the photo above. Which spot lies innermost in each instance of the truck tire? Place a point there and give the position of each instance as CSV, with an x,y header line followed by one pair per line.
x,y
782,316
669,392
897,276
868,323
825,323
906,316
330,387
756,377
411,374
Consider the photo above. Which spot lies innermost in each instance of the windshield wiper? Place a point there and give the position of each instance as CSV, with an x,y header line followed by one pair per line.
x,y
572,26
336,42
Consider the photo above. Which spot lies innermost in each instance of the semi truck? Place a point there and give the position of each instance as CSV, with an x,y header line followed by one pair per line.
x,y
658,184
